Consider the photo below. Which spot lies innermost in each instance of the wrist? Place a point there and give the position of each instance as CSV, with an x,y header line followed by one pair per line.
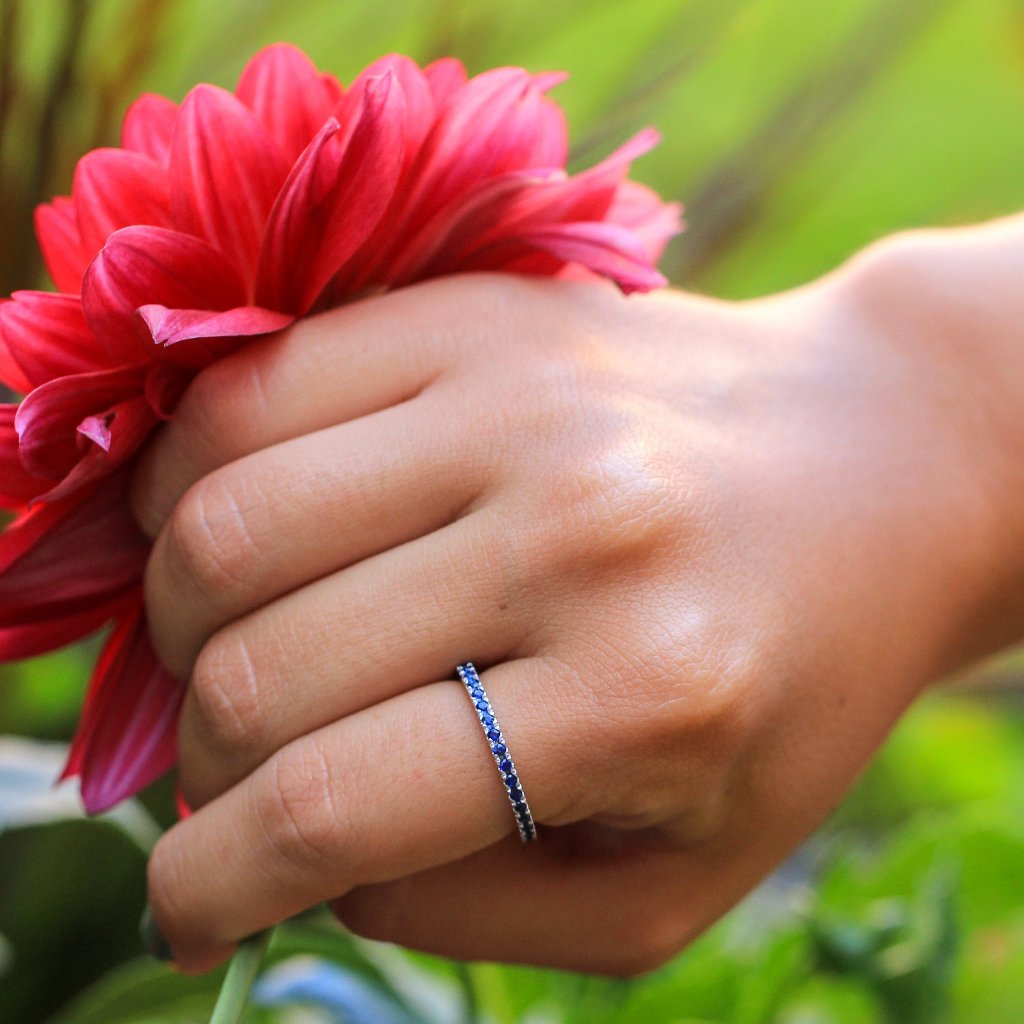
x,y
951,303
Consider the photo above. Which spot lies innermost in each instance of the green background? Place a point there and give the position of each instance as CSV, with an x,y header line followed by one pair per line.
x,y
795,132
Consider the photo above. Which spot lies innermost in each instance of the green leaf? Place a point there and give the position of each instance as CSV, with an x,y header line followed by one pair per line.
x,y
144,991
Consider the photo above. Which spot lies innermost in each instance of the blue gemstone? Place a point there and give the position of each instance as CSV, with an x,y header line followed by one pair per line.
x,y
500,749
493,734
477,693
488,720
513,788
482,705
521,809
506,766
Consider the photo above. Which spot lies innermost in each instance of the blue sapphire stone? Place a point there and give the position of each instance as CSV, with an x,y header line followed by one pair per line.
x,y
506,766
500,749
488,720
493,734
521,809
482,705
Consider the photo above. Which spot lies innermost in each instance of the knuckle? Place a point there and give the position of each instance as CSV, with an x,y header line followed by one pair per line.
x,y
219,402
621,505
226,695
298,811
210,542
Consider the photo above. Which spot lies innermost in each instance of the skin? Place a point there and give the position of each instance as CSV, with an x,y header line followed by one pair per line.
x,y
703,553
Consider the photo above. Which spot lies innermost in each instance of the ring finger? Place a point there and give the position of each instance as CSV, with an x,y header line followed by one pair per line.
x,y
379,628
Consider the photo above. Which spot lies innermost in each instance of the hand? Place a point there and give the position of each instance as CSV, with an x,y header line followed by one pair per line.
x,y
703,554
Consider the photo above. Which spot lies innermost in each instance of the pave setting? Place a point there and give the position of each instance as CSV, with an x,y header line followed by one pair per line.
x,y
499,751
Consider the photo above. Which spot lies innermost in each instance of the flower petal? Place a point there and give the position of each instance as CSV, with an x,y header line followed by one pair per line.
x,y
289,97
28,641
140,266
225,172
445,76
61,244
169,326
67,556
641,210
48,418
115,188
47,336
11,373
607,249
420,106
149,126
333,199
491,126
126,737
17,487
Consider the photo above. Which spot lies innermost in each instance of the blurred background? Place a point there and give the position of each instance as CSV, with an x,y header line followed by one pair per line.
x,y
795,132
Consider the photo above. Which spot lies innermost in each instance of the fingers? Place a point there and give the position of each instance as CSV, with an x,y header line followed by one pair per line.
x,y
326,370
397,788
384,626
272,521
618,911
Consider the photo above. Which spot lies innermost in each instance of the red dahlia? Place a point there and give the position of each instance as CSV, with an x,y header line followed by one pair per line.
x,y
228,217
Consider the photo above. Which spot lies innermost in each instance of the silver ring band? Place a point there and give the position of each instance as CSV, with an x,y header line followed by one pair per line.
x,y
499,750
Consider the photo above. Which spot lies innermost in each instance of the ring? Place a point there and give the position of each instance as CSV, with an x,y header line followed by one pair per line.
x,y
478,695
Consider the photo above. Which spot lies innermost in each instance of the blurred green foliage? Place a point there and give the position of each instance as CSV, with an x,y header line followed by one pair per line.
x,y
795,132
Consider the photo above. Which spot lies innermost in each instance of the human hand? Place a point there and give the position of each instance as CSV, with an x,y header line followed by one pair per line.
x,y
694,548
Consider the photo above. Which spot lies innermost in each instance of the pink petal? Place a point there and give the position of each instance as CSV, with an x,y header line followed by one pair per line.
x,y
641,210
489,126
141,266
225,171
494,125
126,738
333,199
606,249
115,188
61,244
115,436
48,418
46,336
169,326
445,77
17,487
11,373
17,642
420,106
442,243
149,126
289,97
65,557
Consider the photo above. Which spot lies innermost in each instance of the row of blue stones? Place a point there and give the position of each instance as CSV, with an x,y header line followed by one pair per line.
x,y
475,689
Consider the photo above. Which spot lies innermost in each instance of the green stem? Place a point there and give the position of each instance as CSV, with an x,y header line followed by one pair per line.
x,y
234,993
471,1003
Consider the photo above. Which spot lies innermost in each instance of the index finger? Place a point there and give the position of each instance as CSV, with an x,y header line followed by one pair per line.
x,y
324,371
401,786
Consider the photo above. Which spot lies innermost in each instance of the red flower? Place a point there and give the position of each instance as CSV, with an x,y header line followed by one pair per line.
x,y
226,218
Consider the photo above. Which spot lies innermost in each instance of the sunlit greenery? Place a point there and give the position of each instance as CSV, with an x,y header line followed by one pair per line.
x,y
795,132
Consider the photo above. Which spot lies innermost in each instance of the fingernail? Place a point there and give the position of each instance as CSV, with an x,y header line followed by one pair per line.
x,y
153,940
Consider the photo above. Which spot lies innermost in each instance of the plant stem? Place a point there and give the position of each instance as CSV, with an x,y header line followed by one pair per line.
x,y
471,1003
234,993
